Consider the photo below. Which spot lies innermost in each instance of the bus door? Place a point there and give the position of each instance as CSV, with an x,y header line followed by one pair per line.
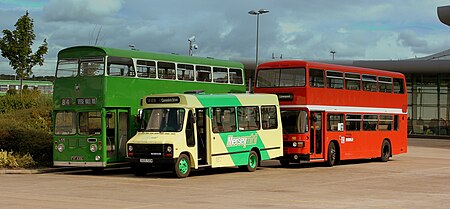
x,y
316,135
116,134
200,114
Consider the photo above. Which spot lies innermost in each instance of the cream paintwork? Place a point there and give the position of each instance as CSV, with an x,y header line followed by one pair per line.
x,y
215,145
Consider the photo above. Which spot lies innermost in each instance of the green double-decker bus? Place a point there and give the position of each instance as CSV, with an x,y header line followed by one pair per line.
x,y
97,94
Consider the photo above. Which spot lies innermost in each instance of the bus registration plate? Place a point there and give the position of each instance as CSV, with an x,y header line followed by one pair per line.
x,y
146,160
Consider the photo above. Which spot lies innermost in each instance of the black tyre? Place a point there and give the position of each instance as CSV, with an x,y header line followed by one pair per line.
x,y
385,151
182,167
332,155
253,161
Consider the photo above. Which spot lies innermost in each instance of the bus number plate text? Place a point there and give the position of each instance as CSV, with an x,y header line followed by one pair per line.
x,y
146,160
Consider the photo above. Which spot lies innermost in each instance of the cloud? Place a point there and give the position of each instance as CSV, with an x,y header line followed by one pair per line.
x,y
411,39
81,10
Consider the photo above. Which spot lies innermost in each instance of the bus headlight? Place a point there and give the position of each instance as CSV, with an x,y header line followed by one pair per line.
x,y
93,148
130,148
97,158
294,144
60,147
169,149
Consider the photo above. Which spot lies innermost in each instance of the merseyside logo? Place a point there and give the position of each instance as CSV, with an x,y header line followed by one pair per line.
x,y
241,141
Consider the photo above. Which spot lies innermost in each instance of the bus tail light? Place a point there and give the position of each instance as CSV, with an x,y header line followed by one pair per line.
x,y
168,155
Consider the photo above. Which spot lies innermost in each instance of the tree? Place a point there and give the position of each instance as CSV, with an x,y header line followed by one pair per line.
x,y
16,47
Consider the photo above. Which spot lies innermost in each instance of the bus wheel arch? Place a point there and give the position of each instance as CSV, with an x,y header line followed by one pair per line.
x,y
182,166
386,150
333,154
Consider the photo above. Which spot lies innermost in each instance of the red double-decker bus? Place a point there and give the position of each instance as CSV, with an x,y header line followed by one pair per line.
x,y
332,113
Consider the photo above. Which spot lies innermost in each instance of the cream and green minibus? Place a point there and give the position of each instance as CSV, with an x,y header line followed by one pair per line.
x,y
190,131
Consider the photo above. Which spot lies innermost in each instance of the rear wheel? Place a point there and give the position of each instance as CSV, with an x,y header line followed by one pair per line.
x,y
385,151
252,161
332,155
182,166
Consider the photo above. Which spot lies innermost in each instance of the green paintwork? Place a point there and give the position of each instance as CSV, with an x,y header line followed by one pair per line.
x,y
124,93
240,156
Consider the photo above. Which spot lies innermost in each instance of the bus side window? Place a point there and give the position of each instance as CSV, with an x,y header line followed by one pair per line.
x,y
316,78
269,117
236,76
224,119
166,70
203,73
248,118
398,86
335,122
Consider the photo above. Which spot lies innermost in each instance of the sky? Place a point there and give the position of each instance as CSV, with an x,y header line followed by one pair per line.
x,y
293,29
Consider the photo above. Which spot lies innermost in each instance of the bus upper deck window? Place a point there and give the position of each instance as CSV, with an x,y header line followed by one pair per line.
x,y
316,78
236,76
119,66
92,67
67,68
399,86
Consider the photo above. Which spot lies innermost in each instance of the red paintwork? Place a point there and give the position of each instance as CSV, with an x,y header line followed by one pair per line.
x,y
365,144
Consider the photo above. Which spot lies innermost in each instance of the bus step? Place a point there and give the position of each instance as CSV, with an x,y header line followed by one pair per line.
x,y
204,166
317,160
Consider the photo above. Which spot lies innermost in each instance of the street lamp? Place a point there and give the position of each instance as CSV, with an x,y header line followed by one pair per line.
x,y
333,52
192,46
257,13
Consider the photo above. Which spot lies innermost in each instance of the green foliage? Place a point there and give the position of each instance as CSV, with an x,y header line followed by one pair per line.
x,y
25,125
13,160
30,99
16,47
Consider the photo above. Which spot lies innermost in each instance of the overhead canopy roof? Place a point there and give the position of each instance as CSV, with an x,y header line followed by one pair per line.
x,y
444,14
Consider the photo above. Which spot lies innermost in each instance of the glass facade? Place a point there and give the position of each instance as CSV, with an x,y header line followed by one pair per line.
x,y
428,104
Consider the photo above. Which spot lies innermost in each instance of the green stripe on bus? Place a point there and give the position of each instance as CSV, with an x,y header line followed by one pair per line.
x,y
243,141
220,100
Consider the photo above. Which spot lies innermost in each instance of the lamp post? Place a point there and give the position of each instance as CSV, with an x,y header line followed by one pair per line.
x,y
257,13
192,46
333,52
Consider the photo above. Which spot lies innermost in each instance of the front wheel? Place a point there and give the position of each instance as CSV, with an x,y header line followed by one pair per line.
x,y
252,161
182,167
385,151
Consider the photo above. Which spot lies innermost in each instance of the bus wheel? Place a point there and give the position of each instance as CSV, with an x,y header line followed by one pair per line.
x,y
332,155
385,151
182,166
252,161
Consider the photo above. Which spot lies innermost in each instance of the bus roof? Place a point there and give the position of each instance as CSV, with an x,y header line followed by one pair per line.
x,y
209,100
325,66
92,51
25,82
